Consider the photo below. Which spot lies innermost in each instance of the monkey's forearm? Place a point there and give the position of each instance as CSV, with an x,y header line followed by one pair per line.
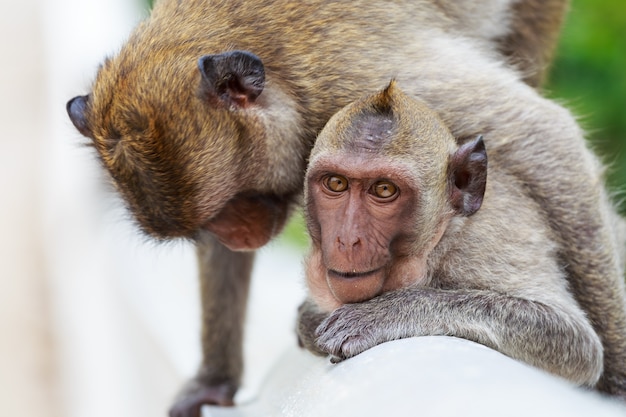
x,y
535,333
224,284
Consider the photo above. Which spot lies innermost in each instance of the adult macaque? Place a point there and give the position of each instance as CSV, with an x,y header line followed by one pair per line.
x,y
401,246
206,117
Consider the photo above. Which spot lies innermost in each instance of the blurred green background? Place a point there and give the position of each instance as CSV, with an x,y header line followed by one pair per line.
x,y
589,77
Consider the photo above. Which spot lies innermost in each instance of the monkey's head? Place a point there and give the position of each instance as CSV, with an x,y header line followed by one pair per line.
x,y
384,180
194,142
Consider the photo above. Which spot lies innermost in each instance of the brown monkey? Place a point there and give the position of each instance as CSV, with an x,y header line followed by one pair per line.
x,y
206,117
400,247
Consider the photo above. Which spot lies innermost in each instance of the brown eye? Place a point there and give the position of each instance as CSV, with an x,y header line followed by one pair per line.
x,y
384,189
336,183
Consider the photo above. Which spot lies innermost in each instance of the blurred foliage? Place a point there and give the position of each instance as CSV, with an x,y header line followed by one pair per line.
x,y
295,231
589,77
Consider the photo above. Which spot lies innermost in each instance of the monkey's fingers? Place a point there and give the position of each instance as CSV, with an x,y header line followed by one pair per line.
x,y
336,359
347,332
333,321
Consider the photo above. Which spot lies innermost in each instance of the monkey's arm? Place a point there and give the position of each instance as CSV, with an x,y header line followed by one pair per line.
x,y
309,319
547,337
224,285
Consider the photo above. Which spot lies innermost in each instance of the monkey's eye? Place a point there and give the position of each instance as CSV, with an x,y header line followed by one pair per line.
x,y
335,183
384,190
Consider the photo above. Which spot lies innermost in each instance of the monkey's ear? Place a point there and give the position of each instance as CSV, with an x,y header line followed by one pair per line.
x,y
468,177
77,109
234,78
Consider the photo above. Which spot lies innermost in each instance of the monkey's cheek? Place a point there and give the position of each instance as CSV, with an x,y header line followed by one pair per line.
x,y
355,289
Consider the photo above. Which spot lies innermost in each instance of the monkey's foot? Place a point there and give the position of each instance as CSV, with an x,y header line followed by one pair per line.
x,y
196,394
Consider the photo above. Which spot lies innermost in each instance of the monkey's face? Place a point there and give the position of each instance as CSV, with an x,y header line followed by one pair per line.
x,y
360,214
384,180
186,144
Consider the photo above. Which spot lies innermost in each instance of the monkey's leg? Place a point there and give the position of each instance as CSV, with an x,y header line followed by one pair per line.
x,y
224,285
548,337
536,25
596,276
591,238
584,220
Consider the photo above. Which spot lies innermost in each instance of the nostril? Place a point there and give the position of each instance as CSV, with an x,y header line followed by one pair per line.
x,y
349,243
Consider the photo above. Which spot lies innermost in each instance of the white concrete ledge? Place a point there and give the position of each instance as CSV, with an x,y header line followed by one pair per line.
x,y
426,376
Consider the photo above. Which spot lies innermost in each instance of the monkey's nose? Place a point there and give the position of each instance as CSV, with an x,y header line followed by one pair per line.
x,y
348,243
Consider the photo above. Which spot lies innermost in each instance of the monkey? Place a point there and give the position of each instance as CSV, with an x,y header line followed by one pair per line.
x,y
412,235
205,117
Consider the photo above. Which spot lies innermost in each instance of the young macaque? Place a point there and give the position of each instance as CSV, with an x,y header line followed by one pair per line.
x,y
205,119
414,233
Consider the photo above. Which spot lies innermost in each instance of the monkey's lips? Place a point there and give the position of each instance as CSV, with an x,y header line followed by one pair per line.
x,y
354,274
353,286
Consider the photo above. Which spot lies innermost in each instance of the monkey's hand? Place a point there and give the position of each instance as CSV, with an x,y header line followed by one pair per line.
x,y
196,393
309,318
354,328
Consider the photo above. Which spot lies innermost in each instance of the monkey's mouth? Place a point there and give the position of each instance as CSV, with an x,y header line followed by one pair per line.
x,y
353,274
355,286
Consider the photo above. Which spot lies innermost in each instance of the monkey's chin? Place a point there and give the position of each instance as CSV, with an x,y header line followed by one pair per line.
x,y
248,222
355,287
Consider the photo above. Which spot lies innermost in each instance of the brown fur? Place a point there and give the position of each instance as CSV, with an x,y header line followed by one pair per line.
x,y
183,154
485,278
